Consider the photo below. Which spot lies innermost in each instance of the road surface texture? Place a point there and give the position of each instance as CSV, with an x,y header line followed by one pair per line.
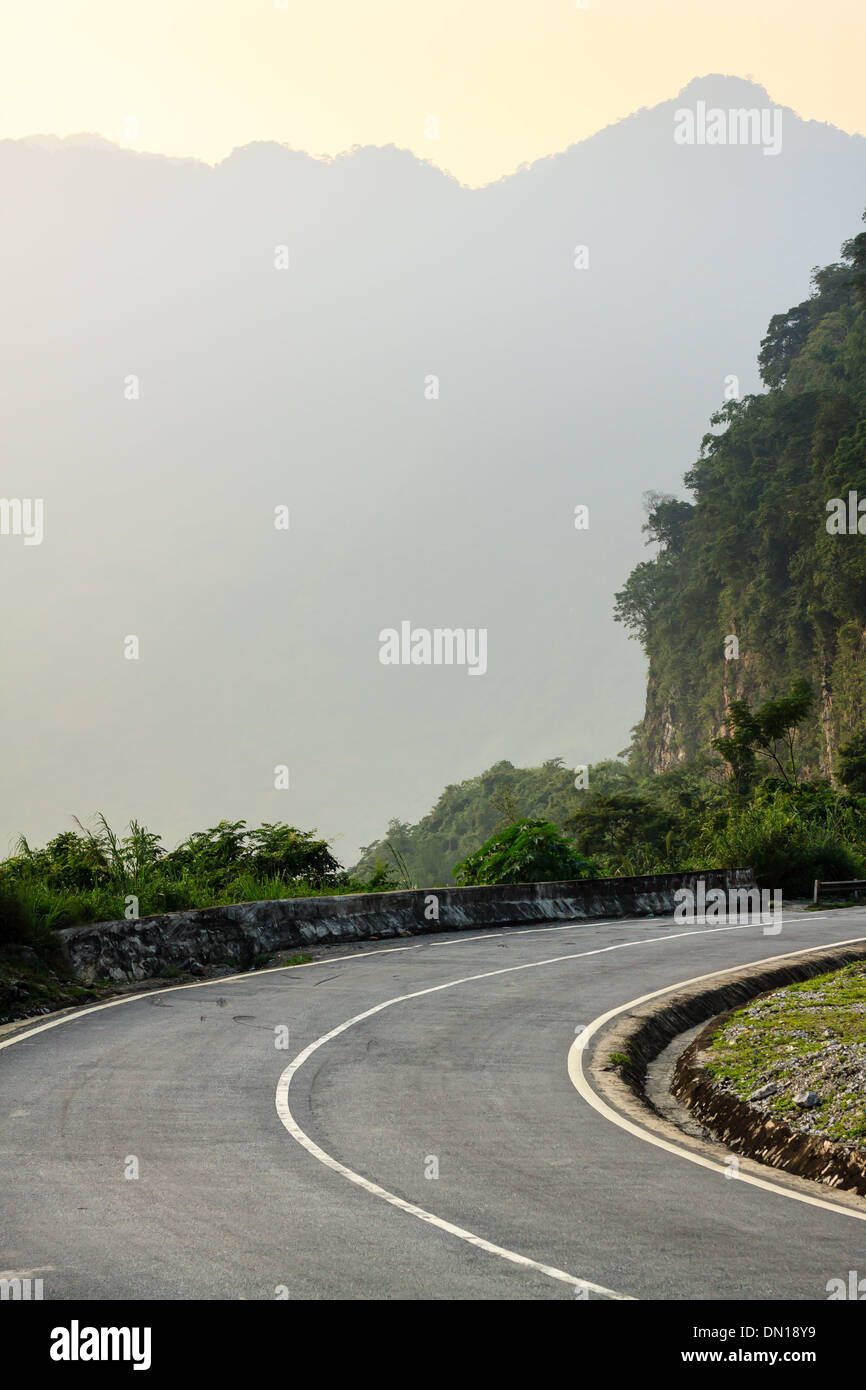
x,y
308,1172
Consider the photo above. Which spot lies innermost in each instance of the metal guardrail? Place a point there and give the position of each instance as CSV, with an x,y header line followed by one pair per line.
x,y
853,883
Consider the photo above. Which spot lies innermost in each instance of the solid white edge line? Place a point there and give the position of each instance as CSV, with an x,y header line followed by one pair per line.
x,y
295,1130
283,1108
581,1084
72,1015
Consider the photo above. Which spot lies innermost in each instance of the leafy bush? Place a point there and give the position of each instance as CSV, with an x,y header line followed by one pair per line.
x,y
294,854
20,923
530,851
88,876
787,847
380,879
15,920
273,851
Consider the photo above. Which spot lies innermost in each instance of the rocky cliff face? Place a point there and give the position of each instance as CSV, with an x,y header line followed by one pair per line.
x,y
679,723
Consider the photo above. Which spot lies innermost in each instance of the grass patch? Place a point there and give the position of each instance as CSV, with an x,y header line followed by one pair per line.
x,y
826,903
807,1036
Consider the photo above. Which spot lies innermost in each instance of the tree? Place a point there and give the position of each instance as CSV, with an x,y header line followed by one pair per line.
x,y
667,520
504,803
786,335
284,851
851,764
613,823
768,731
637,600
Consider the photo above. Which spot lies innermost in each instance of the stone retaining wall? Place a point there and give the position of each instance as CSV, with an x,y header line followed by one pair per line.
x,y
236,935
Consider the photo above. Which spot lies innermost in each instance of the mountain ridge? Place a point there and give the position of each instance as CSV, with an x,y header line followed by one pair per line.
x,y
710,86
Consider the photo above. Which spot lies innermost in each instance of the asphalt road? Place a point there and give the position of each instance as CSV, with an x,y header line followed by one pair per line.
x,y
249,1189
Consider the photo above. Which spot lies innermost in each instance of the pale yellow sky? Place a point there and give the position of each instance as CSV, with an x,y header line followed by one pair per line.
x,y
507,81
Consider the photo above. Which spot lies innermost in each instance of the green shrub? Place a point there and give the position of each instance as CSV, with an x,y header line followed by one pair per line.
x,y
530,851
787,847
16,922
20,922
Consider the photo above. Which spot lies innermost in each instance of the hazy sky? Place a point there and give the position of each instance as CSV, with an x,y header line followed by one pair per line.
x,y
507,81
306,385
561,385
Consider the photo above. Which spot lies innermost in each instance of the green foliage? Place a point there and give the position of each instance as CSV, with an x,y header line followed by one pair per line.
x,y
627,824
272,851
21,924
611,824
769,731
215,855
15,920
87,875
530,851
789,841
380,879
467,813
750,554
851,764
405,878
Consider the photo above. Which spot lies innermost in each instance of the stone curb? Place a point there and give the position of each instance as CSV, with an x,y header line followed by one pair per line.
x,y
645,1033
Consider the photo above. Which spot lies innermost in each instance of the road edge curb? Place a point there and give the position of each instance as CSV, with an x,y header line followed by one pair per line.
x,y
644,1032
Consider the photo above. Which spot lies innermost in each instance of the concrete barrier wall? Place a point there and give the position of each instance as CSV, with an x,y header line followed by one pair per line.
x,y
236,935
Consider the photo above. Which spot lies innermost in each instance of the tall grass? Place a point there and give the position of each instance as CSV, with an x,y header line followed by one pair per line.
x,y
787,844
789,837
94,875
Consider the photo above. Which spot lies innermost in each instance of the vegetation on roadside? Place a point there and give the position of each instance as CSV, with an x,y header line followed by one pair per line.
x,y
529,851
799,1054
94,875
743,803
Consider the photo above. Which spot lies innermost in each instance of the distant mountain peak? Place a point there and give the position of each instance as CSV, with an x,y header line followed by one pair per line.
x,y
724,89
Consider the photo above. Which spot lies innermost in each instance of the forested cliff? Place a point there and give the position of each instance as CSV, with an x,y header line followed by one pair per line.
x,y
757,584
764,554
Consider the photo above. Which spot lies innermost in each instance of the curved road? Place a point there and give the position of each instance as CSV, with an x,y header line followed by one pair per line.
x,y
307,1171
